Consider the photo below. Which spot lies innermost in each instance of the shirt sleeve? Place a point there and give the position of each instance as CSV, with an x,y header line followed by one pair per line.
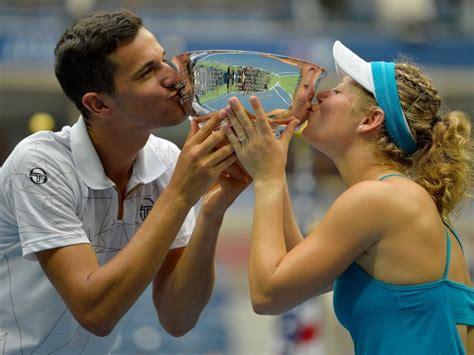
x,y
184,234
44,197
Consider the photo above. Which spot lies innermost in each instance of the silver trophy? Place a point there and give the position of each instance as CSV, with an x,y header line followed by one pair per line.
x,y
284,85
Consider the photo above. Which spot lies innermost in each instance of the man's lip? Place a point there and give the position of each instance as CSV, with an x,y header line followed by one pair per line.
x,y
175,95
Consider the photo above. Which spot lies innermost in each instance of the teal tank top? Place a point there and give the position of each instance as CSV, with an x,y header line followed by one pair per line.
x,y
417,319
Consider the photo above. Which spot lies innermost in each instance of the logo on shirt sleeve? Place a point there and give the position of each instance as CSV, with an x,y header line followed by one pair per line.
x,y
38,176
145,208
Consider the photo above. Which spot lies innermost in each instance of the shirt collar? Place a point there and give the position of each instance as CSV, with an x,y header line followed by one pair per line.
x,y
147,167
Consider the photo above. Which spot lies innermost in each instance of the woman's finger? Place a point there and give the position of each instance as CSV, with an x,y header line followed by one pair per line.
x,y
287,134
304,94
242,116
261,116
231,136
235,123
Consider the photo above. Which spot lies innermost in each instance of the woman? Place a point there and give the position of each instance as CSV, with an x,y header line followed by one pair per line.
x,y
402,285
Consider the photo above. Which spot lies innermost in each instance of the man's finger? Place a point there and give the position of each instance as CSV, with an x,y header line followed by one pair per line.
x,y
236,173
220,154
208,128
192,130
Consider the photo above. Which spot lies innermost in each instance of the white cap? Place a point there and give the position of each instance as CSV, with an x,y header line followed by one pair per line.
x,y
350,64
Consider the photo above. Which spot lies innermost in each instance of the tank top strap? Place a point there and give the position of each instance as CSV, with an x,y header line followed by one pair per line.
x,y
451,229
448,255
383,177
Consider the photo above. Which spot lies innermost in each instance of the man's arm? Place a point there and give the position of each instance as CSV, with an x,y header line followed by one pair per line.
x,y
98,296
180,298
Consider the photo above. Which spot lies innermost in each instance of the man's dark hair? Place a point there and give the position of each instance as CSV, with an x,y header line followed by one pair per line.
x,y
82,64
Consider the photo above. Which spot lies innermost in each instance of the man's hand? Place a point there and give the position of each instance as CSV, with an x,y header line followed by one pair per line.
x,y
223,192
203,158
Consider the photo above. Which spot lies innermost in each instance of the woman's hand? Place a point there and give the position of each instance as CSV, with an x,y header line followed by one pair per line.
x,y
261,154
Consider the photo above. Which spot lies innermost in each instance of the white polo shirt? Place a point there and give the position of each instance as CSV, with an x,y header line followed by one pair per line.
x,y
54,193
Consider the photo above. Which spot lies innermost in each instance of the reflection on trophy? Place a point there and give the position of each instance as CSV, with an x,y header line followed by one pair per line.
x,y
283,84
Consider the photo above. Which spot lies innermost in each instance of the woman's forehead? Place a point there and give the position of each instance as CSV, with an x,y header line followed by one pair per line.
x,y
347,83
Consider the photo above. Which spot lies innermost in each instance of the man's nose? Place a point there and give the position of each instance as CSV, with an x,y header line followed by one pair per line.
x,y
173,65
172,75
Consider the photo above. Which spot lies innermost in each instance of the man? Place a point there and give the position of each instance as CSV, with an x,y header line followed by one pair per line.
x,y
104,207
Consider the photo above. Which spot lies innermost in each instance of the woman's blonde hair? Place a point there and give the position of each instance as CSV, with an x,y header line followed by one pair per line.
x,y
442,163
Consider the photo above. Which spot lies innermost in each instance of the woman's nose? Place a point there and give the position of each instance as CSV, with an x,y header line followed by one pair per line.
x,y
322,95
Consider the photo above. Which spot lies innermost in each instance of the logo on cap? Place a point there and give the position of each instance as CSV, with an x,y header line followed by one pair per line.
x,y
38,176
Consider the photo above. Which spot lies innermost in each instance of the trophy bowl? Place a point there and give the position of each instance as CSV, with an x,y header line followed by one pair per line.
x,y
207,79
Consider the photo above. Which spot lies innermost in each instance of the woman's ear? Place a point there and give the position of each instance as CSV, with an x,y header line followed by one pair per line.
x,y
96,104
373,120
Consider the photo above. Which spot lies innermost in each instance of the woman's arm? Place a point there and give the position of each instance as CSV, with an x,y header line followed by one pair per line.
x,y
292,232
281,279
470,340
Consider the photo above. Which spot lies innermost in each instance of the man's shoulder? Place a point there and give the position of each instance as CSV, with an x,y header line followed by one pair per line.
x,y
44,145
48,141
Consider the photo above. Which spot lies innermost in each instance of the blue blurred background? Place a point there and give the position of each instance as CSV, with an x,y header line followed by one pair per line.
x,y
437,34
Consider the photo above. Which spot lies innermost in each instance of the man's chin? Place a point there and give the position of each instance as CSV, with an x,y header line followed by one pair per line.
x,y
177,120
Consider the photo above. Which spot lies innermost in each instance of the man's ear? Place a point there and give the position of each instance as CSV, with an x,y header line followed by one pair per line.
x,y
373,120
96,104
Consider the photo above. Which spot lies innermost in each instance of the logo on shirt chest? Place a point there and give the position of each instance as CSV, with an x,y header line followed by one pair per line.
x,y
38,176
145,208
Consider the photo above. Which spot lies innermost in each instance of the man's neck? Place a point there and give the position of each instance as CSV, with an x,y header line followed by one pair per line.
x,y
117,150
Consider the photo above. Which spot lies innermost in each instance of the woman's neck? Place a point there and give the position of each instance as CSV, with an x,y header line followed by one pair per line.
x,y
361,166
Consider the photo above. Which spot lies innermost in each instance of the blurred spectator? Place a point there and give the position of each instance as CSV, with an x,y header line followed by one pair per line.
x,y
409,19
78,8
335,9
466,16
449,10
